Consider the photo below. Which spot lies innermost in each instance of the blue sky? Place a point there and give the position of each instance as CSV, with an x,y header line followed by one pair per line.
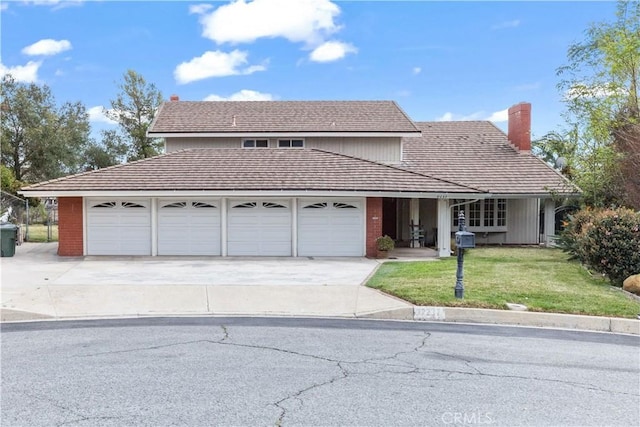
x,y
437,60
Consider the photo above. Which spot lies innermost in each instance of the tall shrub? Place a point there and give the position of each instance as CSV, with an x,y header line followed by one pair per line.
x,y
607,241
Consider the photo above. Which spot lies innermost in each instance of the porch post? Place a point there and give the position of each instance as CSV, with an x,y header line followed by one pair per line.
x,y
444,228
414,211
549,221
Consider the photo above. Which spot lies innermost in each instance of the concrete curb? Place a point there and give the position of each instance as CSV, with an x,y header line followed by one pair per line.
x,y
9,315
527,318
416,313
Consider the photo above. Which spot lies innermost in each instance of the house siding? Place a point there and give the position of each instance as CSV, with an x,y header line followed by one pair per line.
x,y
175,144
70,226
387,150
522,222
373,224
379,149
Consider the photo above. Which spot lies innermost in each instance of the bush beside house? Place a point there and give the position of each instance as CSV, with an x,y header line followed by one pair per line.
x,y
606,241
384,244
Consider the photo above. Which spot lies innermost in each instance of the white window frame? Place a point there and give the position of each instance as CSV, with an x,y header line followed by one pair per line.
x,y
290,142
467,208
254,143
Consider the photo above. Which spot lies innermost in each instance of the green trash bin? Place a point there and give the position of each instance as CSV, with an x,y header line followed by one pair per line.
x,y
9,238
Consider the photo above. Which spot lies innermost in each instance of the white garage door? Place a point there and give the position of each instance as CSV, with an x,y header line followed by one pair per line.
x,y
119,227
259,227
330,227
188,227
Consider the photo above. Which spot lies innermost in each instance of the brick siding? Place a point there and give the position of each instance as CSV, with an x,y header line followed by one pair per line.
x,y
374,224
70,231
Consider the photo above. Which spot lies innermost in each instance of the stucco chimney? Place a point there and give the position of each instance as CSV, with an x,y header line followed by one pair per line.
x,y
174,98
520,126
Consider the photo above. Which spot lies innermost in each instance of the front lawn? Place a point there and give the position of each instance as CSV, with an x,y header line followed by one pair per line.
x,y
541,279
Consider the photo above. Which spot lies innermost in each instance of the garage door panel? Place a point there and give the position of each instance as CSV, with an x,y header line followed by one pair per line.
x,y
135,221
119,227
244,235
314,221
276,248
330,227
189,227
259,228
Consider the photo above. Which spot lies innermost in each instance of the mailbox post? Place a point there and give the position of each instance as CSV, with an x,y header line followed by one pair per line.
x,y
464,240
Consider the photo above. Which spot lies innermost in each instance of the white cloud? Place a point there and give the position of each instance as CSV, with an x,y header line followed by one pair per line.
x,y
331,51
215,64
96,114
499,116
506,24
57,4
23,73
243,95
200,9
416,70
446,117
4,6
46,47
308,21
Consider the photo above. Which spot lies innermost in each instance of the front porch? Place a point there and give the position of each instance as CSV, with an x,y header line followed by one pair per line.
x,y
495,221
413,254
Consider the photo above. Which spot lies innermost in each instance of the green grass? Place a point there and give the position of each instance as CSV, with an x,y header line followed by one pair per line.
x,y
38,232
542,279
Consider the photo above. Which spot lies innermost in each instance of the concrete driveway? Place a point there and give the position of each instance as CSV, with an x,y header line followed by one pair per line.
x,y
36,283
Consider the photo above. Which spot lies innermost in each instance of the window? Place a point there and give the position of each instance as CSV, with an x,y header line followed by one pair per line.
x,y
255,143
202,205
246,205
176,205
483,215
321,205
474,214
338,205
105,205
270,205
131,205
290,143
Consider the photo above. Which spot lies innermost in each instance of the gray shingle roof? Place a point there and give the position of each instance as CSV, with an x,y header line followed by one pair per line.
x,y
477,154
251,169
280,116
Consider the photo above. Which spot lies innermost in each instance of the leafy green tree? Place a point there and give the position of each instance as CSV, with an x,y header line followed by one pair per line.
x,y
9,183
600,85
40,140
134,108
111,150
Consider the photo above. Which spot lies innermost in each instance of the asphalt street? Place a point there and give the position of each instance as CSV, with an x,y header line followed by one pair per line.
x,y
291,371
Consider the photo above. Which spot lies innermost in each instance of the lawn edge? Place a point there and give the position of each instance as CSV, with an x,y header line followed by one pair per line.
x,y
527,318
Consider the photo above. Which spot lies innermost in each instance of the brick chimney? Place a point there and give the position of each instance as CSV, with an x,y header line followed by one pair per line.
x,y
520,126
174,98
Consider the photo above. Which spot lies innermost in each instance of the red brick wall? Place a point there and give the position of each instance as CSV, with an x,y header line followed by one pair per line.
x,y
374,224
519,128
70,234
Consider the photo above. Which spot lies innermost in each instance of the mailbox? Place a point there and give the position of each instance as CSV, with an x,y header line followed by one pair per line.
x,y
465,240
